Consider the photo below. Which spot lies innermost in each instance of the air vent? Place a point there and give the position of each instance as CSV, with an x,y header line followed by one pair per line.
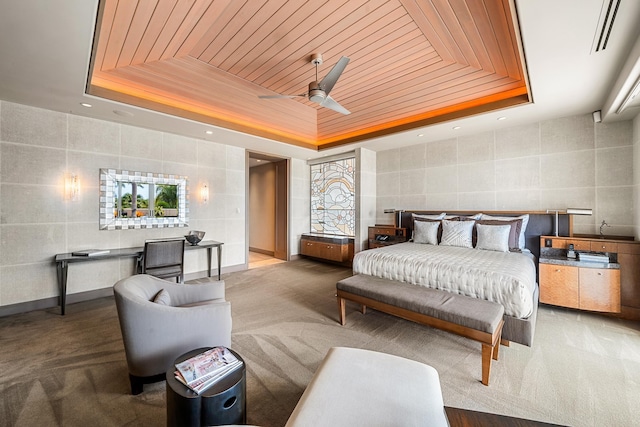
x,y
605,24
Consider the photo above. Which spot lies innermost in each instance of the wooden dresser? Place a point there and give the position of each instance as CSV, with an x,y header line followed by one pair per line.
x,y
327,247
611,286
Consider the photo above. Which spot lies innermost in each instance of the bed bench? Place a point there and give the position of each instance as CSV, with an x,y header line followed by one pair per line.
x,y
473,318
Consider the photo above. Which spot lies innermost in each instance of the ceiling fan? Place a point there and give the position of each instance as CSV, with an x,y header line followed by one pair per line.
x,y
319,90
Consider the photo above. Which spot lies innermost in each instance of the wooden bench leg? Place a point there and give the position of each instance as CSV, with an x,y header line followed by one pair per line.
x,y
364,309
496,348
342,310
487,352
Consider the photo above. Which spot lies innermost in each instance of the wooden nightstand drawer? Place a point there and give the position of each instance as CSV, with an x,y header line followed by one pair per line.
x,y
599,246
600,289
559,285
386,231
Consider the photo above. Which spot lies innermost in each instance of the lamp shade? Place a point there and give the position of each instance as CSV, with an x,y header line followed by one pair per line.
x,y
579,211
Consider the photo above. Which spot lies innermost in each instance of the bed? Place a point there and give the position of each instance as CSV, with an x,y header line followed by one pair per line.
x,y
506,277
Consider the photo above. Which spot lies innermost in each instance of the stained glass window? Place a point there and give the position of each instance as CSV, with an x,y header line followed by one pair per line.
x,y
333,201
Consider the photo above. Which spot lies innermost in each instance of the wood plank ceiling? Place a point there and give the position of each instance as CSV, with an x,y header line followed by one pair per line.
x,y
413,62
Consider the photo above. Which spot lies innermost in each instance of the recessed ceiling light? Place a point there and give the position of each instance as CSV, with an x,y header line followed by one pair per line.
x,y
502,118
209,132
457,127
258,160
421,135
123,113
85,104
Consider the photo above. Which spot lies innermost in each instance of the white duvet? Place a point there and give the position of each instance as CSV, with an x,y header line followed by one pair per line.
x,y
508,278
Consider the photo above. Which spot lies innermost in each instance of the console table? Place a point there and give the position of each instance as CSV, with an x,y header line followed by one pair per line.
x,y
63,261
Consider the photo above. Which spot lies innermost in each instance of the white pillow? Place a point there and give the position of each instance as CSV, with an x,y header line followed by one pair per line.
x,y
439,216
525,221
493,237
426,232
457,233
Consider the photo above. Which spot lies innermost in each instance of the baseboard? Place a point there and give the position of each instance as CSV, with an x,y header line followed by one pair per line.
x,y
261,251
52,302
629,313
214,271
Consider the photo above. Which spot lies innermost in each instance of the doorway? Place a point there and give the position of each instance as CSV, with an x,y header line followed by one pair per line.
x,y
268,210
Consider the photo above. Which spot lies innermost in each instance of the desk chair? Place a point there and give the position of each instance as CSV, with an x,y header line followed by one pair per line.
x,y
164,259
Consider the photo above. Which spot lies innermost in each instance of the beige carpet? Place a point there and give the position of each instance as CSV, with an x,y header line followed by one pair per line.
x,y
583,370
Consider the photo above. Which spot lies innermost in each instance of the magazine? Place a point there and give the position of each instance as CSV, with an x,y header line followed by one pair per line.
x,y
205,369
91,252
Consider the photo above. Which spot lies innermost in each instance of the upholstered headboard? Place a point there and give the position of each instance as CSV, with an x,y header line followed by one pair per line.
x,y
540,224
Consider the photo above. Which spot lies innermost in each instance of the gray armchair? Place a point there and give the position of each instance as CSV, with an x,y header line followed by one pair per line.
x,y
161,320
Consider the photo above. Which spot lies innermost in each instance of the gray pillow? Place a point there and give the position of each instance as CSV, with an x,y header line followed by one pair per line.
x,y
493,237
457,233
439,216
426,232
162,298
463,217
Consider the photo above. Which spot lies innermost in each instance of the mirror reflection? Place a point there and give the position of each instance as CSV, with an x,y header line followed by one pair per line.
x,y
142,200
152,200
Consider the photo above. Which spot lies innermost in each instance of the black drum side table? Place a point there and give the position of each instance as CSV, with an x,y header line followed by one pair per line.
x,y
222,403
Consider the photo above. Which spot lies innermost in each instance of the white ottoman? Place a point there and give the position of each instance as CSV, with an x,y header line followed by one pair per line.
x,y
355,387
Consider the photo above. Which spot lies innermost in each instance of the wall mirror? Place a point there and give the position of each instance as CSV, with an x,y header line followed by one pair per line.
x,y
142,200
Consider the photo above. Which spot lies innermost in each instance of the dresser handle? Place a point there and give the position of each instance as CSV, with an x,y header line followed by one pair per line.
x,y
558,271
603,246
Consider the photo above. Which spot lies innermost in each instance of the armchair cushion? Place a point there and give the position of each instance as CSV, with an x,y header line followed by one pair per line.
x,y
154,335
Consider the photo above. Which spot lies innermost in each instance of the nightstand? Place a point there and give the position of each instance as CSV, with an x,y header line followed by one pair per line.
x,y
385,235
576,283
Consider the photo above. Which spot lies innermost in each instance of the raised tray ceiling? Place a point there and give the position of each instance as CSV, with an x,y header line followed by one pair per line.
x,y
413,63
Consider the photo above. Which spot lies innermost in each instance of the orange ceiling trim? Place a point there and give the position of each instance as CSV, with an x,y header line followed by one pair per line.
x,y
488,103
149,101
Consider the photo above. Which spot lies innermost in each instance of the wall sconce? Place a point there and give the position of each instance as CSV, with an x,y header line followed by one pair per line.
x,y
72,187
204,193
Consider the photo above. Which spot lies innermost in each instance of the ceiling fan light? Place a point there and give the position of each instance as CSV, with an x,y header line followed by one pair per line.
x,y
315,93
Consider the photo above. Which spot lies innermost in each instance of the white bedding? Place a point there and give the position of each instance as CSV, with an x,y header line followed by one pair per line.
x,y
508,278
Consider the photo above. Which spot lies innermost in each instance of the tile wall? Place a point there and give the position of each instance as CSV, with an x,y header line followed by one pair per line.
x,y
365,196
636,175
300,203
38,147
554,164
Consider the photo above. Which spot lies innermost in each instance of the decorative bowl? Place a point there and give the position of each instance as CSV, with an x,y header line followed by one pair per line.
x,y
194,237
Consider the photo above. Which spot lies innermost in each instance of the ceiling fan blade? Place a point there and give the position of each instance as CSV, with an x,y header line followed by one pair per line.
x,y
280,96
330,79
332,104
